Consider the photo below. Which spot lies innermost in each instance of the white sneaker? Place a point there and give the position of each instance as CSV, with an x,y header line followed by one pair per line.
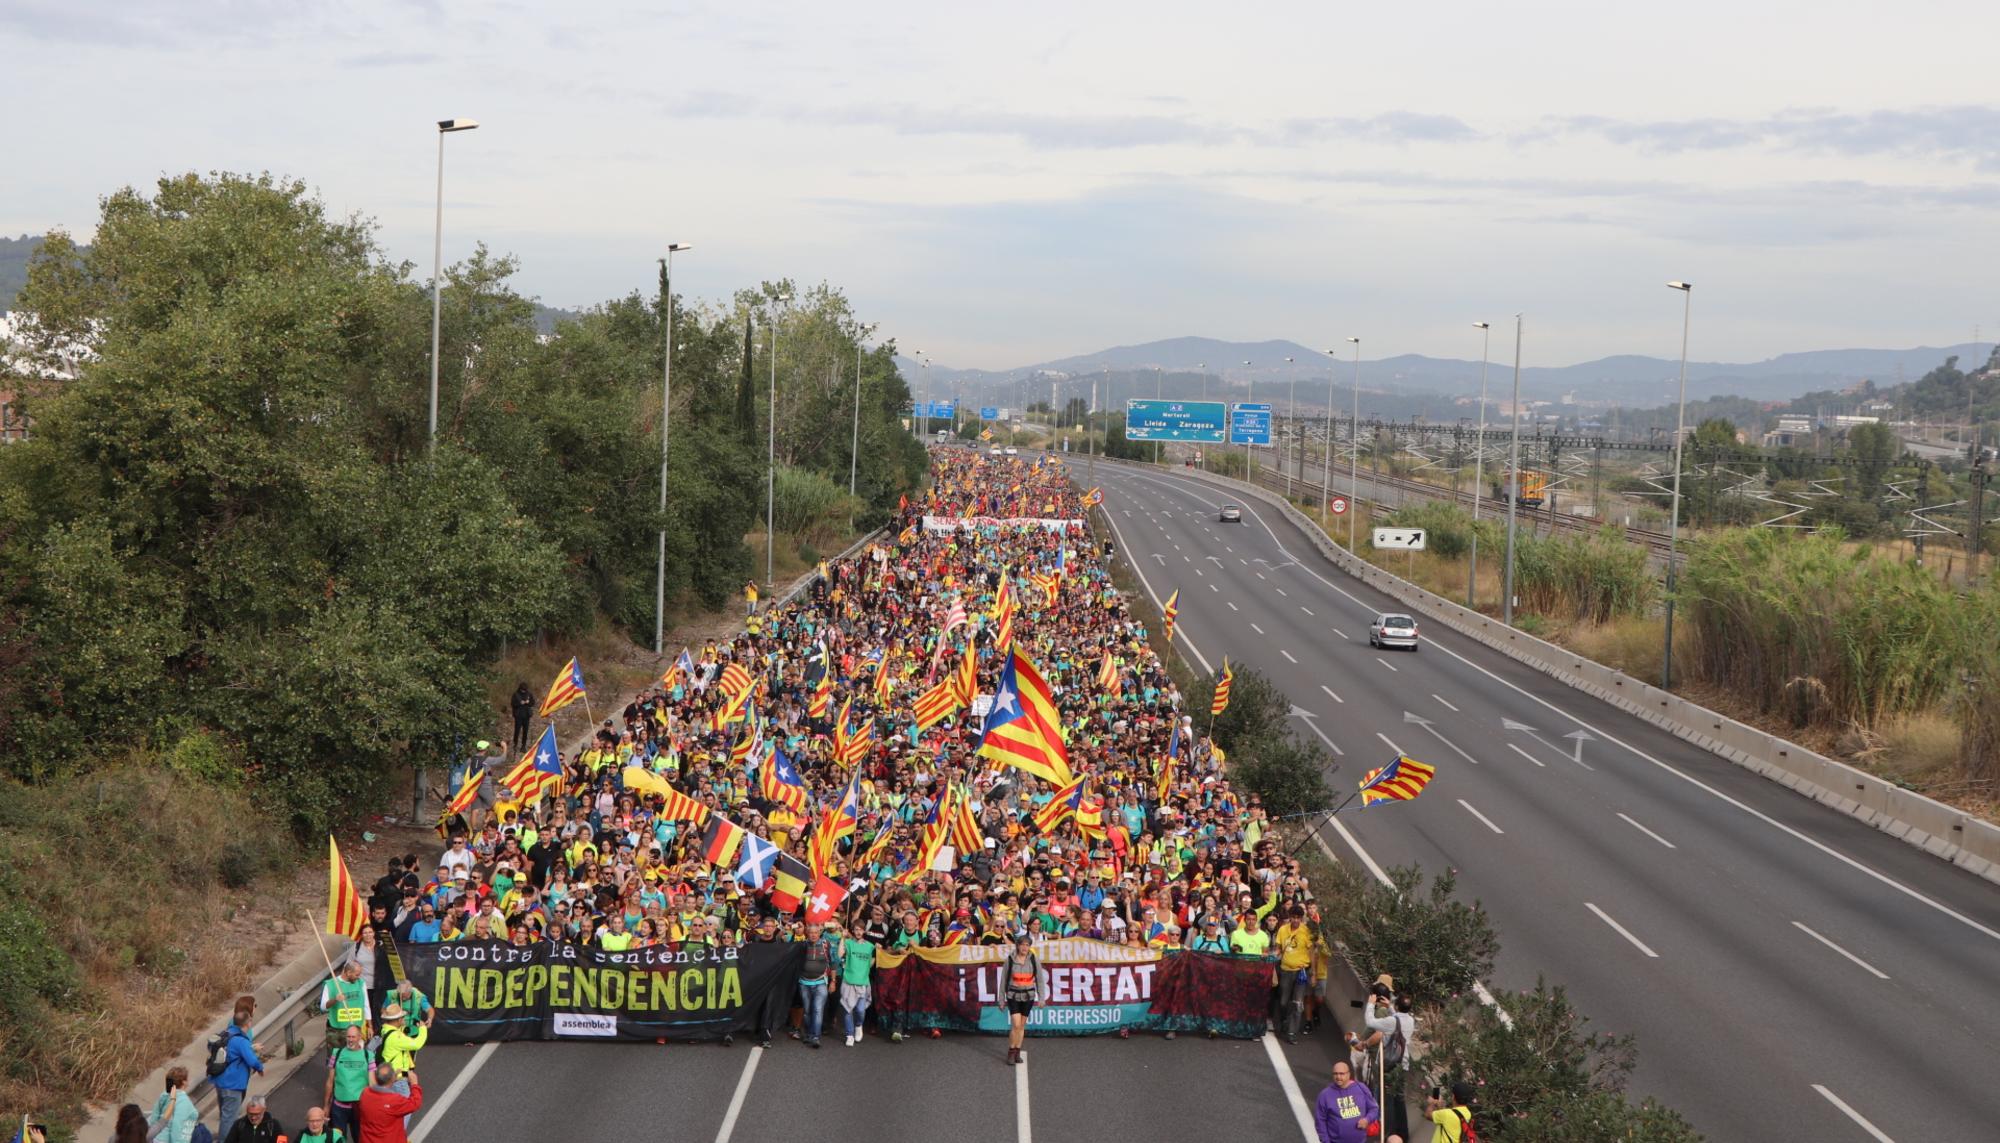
x,y
850,1041
859,1032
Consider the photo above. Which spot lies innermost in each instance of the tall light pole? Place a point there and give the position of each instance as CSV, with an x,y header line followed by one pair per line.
x,y
1250,394
1478,463
1202,368
1326,457
1159,392
1292,425
666,410
445,127
1354,458
771,466
1513,485
854,449
1674,519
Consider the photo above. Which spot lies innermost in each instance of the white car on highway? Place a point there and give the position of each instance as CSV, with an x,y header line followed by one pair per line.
x,y
1393,629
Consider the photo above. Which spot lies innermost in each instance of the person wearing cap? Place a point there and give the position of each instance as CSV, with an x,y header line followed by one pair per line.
x,y
400,1046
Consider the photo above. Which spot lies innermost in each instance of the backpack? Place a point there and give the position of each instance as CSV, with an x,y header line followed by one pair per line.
x,y
1465,1132
1397,1047
201,1134
218,1054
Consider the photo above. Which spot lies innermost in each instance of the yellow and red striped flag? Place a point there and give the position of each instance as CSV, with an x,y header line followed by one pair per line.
x,y
468,792
883,678
1172,610
965,826
735,680
567,688
1220,702
1063,805
1107,673
1023,729
966,682
822,696
345,914
1003,614
936,704
1399,781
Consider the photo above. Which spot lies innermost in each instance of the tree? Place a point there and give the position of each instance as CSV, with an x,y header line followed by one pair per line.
x,y
1596,1117
1544,1054
746,388
1255,732
1436,946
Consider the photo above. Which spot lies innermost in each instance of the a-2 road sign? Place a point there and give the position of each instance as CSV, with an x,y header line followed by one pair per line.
x,y
1404,539
1337,505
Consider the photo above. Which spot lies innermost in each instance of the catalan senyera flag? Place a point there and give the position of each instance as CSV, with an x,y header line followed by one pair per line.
x,y
740,751
1063,805
822,697
539,772
1399,781
1049,583
1003,614
966,682
732,710
734,680
936,704
468,792
1090,819
1220,702
884,679
1022,729
345,913
965,825
859,742
567,688
1171,610
1166,782
681,808
1107,673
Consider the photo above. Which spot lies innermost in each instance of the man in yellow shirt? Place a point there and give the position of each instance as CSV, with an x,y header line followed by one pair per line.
x,y
1293,943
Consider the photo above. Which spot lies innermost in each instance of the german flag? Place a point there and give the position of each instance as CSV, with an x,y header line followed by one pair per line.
x,y
788,884
936,704
567,688
1220,702
1022,729
1399,781
719,840
345,914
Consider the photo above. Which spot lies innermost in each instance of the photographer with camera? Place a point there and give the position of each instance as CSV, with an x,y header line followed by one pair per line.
x,y
1452,1118
1390,1034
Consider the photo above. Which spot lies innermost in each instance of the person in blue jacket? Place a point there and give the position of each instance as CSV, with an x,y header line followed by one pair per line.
x,y
230,1087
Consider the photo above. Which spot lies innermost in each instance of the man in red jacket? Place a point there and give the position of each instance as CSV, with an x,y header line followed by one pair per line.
x,y
382,1107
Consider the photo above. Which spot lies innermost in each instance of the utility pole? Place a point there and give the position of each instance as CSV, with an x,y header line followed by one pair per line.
x,y
1513,486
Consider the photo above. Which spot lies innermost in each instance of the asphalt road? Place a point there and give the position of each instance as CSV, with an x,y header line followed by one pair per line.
x,y
1789,972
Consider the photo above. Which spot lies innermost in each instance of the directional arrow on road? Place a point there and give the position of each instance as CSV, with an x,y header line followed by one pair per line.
x,y
1217,559
1161,558
1510,724
1418,719
1301,712
1581,736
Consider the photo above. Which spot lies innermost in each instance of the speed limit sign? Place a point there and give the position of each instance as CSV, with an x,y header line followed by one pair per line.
x,y
1338,505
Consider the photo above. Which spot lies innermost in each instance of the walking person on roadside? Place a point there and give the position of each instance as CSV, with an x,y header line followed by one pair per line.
x,y
523,704
258,1125
400,1043
174,1115
1022,975
234,1081
857,965
347,1071
1345,1111
813,973
1294,945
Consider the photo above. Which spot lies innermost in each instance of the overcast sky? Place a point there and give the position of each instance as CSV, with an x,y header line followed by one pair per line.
x,y
1001,184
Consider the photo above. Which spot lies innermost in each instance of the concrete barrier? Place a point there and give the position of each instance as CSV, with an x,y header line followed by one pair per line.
x,y
1970,843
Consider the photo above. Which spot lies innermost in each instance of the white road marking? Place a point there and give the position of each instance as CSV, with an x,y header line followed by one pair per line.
x,y
1528,756
1259,575
1484,820
1024,1127
1339,632
1232,606
1840,1103
1214,588
1643,829
1257,629
1879,974
1301,1114
1187,560
1447,703
1282,591
1201,573
1287,655
1230,550
1314,725
434,1114
736,1099
1391,742
1439,735
1330,694
1385,662
1621,930
1244,562
1304,608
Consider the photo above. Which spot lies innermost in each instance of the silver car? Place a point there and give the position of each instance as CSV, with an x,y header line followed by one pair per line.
x,y
1230,514
1391,629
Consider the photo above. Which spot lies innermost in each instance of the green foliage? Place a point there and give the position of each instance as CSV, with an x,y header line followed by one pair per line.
x,y
1265,756
1447,527
35,977
1597,1117
811,508
1973,703
1595,577
1823,633
1436,946
1547,1057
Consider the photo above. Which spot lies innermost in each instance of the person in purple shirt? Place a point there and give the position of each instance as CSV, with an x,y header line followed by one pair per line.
x,y
1345,1109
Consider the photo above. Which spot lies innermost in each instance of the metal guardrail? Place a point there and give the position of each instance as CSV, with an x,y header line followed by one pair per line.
x,y
293,1010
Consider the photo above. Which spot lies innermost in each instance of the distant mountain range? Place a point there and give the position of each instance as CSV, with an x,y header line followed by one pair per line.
x,y
1627,380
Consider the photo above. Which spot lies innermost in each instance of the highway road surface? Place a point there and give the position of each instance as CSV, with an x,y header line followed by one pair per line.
x,y
1789,972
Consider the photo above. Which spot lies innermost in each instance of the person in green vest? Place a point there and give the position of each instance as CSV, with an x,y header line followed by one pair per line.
x,y
615,938
345,1001
346,1078
320,1129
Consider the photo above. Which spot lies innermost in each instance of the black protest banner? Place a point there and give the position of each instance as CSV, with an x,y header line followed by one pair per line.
x,y
490,990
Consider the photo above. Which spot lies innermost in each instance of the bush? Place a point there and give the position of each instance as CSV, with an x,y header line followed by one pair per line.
x,y
1546,1056
1437,947
1594,1118
1592,578
1286,773
35,976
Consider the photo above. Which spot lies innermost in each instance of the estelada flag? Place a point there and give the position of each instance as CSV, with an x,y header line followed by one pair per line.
x,y
1220,702
719,840
780,783
788,883
539,771
826,896
839,822
1399,781
1023,729
567,688
1093,498
1063,805
345,914
468,792
680,672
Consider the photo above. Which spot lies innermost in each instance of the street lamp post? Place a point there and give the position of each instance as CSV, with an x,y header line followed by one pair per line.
x,y
445,127
1291,426
666,411
1354,458
1250,395
1478,463
854,449
1674,518
1202,368
771,466
1513,485
1326,456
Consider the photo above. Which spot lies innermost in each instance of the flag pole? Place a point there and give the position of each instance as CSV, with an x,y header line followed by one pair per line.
x,y
1311,833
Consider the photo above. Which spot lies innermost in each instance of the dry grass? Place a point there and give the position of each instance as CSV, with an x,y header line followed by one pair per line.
x,y
1633,645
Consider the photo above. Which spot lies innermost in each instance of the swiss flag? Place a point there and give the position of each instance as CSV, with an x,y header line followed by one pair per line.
x,y
826,897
